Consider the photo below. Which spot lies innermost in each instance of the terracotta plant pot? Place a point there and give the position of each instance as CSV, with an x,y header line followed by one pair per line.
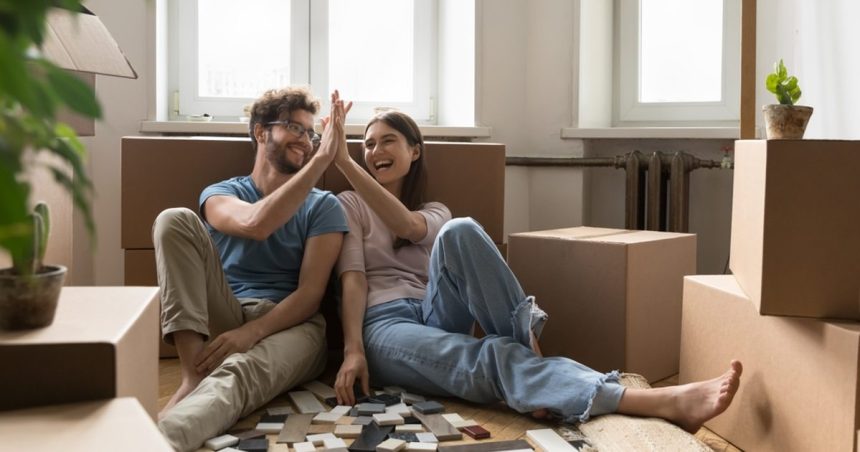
x,y
786,122
30,302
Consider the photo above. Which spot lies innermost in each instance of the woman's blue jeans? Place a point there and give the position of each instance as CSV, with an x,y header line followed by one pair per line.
x,y
427,346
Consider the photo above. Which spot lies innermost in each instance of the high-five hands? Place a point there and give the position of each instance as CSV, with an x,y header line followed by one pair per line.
x,y
337,119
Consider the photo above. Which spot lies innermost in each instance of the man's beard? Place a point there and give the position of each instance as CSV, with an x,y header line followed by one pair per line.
x,y
278,159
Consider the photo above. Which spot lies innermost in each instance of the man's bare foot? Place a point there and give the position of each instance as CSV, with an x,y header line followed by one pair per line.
x,y
696,403
185,388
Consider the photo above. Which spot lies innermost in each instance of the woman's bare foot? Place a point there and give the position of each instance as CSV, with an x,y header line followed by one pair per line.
x,y
696,403
690,405
185,388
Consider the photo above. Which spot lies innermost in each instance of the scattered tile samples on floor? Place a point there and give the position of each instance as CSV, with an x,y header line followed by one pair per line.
x,y
390,420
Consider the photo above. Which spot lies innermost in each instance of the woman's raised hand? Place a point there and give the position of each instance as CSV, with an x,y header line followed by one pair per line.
x,y
333,144
341,109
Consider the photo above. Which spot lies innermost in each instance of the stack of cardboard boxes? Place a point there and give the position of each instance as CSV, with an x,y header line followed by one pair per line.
x,y
790,310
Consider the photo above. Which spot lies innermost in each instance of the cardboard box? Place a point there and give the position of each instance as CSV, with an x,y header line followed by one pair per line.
x,y
102,344
79,42
795,250
113,424
613,296
799,386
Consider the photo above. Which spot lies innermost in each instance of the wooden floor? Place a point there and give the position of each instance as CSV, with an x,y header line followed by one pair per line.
x,y
504,423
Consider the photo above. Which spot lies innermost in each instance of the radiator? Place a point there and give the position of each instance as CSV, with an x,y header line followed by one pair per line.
x,y
657,191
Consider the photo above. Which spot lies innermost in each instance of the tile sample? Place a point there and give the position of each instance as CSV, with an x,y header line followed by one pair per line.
x,y
330,417
278,410
254,445
348,431
412,428
306,402
400,409
476,432
405,436
391,445
320,389
440,427
387,419
304,447
319,438
220,442
295,428
370,437
426,437
428,407
367,409
334,445
547,439
495,446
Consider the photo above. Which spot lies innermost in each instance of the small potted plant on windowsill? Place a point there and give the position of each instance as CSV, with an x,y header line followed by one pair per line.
x,y
785,120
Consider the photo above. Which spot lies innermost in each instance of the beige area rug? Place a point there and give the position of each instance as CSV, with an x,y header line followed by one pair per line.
x,y
617,433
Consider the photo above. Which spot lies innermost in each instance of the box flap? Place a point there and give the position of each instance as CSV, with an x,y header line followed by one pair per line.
x,y
631,237
80,42
577,233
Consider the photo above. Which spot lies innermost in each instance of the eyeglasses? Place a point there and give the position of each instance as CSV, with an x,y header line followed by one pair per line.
x,y
298,130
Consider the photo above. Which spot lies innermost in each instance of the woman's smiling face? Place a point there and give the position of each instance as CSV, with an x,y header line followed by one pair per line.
x,y
388,155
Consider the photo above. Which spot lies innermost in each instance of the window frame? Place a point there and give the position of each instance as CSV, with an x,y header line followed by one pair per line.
x,y
308,62
629,111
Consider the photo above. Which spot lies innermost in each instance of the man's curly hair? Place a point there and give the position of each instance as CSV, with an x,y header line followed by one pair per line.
x,y
277,104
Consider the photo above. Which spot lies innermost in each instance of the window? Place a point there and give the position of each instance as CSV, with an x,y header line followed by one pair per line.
x,y
678,62
379,53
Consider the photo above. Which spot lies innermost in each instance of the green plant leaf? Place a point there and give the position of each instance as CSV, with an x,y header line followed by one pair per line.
x,y
795,95
15,231
781,71
73,92
41,210
79,195
67,133
771,82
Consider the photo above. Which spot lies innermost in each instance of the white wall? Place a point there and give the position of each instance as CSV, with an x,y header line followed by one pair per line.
x,y
817,40
124,105
525,92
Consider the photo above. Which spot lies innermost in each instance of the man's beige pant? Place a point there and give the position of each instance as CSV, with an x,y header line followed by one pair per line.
x,y
195,296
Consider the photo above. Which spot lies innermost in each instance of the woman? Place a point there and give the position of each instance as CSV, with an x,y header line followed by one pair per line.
x,y
414,281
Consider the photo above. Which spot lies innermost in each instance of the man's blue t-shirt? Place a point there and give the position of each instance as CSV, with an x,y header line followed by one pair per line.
x,y
270,268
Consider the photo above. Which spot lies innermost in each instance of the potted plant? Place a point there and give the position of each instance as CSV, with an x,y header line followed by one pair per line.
x,y
785,120
30,301
31,91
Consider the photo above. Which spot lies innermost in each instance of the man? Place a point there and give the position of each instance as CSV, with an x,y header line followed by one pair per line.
x,y
251,274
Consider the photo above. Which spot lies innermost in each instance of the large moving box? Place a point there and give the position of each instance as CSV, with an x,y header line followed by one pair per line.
x,y
799,386
114,424
103,344
795,248
613,296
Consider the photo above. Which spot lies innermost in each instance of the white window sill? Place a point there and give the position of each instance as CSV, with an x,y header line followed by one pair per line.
x,y
704,133
241,128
